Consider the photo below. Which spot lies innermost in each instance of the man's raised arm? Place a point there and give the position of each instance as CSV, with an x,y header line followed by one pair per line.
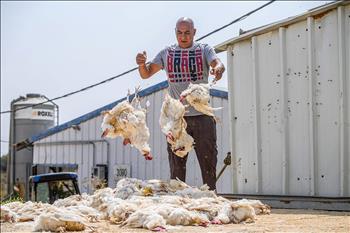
x,y
145,70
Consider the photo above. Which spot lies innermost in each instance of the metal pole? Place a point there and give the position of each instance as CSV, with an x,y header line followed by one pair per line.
x,y
227,161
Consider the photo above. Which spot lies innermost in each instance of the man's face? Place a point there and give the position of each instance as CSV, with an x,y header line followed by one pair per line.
x,y
185,34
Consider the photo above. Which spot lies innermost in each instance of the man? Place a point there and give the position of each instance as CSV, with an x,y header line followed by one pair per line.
x,y
189,62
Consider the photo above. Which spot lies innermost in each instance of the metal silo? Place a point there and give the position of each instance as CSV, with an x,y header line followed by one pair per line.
x,y
27,119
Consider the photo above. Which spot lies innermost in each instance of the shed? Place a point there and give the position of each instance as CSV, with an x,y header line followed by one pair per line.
x,y
289,105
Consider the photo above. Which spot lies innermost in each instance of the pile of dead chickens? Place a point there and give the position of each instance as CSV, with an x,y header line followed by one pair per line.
x,y
128,120
153,204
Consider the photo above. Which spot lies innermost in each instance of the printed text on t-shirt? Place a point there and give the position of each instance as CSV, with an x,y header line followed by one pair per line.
x,y
184,65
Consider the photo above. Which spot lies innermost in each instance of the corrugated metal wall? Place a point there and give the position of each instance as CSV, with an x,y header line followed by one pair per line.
x,y
79,147
289,100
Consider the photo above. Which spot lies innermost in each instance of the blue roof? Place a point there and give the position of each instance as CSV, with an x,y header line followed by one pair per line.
x,y
97,112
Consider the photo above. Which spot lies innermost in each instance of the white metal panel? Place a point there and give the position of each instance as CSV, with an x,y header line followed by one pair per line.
x,y
283,101
152,123
289,95
53,149
270,113
73,148
45,158
243,117
298,106
327,105
60,149
345,108
157,136
83,167
225,181
232,120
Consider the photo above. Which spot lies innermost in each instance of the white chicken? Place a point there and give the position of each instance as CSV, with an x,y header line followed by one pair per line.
x,y
197,95
119,213
258,206
89,213
155,217
207,205
195,193
177,184
128,120
145,219
100,197
59,221
126,181
173,125
236,213
127,191
7,215
182,216
27,211
73,200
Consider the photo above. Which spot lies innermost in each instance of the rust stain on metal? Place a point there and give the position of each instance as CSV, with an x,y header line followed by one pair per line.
x,y
321,15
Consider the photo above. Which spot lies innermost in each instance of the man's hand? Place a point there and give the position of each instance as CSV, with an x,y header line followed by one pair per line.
x,y
141,58
146,71
217,69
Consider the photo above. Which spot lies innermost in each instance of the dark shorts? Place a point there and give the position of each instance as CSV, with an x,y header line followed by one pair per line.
x,y
203,130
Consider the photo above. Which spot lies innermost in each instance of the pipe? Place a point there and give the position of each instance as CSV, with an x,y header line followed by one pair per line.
x,y
284,110
11,159
313,187
11,145
232,113
257,120
344,180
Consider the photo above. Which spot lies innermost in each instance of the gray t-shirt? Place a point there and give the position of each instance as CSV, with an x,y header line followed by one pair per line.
x,y
185,66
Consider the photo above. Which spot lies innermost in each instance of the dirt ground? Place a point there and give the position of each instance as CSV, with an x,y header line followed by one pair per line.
x,y
280,220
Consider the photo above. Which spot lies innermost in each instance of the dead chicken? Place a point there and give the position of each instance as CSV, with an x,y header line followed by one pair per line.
x,y
128,120
197,95
27,211
235,213
145,218
59,221
258,206
7,215
173,125
73,200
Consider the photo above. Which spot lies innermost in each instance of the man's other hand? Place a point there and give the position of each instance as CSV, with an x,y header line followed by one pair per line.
x,y
217,71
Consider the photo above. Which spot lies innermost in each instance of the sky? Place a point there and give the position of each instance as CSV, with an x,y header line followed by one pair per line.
x,y
53,48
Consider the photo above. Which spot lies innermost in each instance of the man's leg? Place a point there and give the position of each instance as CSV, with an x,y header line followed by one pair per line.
x,y
177,165
204,134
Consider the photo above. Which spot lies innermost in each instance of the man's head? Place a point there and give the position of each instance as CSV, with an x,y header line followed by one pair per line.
x,y
185,32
